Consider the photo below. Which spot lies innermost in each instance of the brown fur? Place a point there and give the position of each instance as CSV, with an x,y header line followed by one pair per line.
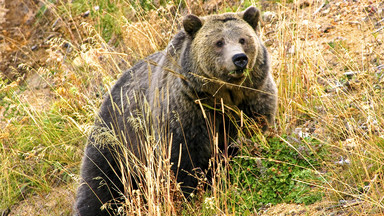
x,y
203,62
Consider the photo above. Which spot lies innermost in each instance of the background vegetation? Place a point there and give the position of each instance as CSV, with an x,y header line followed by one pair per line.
x,y
325,150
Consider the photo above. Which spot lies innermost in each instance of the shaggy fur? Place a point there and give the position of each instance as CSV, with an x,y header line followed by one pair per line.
x,y
198,64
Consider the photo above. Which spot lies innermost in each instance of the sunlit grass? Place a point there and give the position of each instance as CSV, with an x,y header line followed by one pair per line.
x,y
41,144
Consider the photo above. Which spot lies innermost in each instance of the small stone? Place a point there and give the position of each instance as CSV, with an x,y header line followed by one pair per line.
x,y
269,16
86,13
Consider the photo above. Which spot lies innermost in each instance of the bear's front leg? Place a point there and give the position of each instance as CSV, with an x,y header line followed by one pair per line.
x,y
101,181
191,147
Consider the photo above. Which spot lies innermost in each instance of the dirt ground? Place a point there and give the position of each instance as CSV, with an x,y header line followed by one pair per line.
x,y
23,36
17,35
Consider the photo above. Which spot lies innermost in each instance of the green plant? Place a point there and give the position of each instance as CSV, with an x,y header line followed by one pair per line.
x,y
280,172
42,146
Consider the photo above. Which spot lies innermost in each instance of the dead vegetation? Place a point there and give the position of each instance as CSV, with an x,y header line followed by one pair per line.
x,y
327,59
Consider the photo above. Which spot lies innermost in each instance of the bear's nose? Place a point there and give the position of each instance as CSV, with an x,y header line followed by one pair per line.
x,y
240,61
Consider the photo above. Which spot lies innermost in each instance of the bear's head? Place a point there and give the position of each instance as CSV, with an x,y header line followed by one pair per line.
x,y
225,46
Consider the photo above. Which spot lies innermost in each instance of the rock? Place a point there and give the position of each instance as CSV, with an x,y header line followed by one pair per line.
x,y
269,16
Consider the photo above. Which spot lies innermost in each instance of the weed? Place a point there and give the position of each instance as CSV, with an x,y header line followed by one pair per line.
x,y
277,173
41,142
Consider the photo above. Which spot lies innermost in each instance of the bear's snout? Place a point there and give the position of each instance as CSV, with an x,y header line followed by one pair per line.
x,y
240,61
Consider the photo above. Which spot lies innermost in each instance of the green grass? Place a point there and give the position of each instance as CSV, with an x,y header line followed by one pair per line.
x,y
282,172
41,149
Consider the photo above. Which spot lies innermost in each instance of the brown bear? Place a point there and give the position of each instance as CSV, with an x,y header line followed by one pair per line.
x,y
213,60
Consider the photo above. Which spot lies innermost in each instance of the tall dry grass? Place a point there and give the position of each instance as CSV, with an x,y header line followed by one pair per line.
x,y
327,61
328,65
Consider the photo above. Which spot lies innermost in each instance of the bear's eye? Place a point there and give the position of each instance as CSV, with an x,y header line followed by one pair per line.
x,y
242,41
219,43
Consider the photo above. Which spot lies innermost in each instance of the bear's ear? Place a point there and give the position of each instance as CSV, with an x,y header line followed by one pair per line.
x,y
252,16
192,24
